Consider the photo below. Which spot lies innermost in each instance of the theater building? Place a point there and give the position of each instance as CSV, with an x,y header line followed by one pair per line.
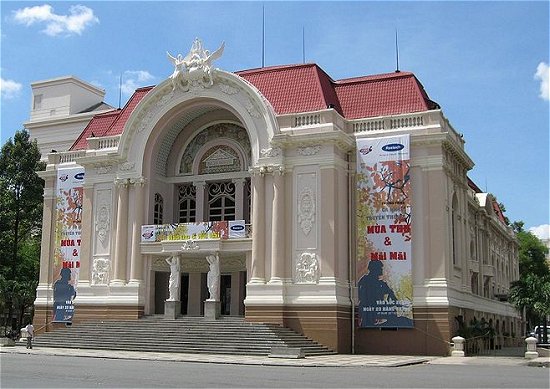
x,y
339,208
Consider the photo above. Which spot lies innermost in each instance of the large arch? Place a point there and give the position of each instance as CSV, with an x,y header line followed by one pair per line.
x,y
163,106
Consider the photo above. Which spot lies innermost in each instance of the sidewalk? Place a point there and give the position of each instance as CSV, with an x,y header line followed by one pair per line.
x,y
337,360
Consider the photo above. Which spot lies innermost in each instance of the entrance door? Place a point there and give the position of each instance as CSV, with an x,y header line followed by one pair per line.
x,y
225,294
161,290
184,292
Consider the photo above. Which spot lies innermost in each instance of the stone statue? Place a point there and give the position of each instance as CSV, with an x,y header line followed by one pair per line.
x,y
195,69
213,279
174,283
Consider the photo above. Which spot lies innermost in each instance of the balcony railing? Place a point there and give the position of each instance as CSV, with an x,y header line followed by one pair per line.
x,y
234,229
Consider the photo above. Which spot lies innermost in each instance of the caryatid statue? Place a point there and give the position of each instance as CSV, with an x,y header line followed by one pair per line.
x,y
174,283
213,278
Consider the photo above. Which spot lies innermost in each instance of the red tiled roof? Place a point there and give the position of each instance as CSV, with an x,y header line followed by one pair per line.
x,y
385,94
118,125
111,123
98,126
289,89
305,88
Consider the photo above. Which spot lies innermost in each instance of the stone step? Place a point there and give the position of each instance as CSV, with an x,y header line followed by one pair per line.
x,y
228,335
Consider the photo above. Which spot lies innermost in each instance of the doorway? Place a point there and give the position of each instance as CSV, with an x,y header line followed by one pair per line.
x,y
225,294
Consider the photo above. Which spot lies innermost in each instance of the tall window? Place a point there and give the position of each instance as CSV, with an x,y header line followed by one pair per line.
x,y
187,200
221,201
454,225
474,283
158,209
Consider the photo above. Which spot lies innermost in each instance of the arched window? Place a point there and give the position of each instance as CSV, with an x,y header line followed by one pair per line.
x,y
187,203
158,209
221,201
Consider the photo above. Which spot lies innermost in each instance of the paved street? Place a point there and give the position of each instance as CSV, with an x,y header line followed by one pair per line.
x,y
39,369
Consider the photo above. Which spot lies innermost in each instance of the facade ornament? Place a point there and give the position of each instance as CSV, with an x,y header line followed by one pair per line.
x,y
213,277
306,210
271,152
307,269
152,109
127,166
228,90
190,245
102,223
174,283
309,150
195,69
252,110
100,271
104,169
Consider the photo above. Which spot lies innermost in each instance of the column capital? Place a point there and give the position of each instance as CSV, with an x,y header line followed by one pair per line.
x,y
137,181
122,182
267,169
240,181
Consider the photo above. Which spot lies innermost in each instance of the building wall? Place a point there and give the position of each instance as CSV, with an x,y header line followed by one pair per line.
x,y
300,260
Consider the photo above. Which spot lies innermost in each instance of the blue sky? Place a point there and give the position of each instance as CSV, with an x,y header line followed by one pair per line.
x,y
484,62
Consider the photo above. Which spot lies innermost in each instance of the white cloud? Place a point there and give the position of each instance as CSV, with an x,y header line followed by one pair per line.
x,y
543,75
9,88
78,19
542,231
133,79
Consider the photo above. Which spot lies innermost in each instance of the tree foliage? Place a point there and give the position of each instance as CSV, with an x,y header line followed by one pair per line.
x,y
21,197
531,292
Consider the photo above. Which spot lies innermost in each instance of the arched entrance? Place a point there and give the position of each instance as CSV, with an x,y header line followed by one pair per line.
x,y
203,178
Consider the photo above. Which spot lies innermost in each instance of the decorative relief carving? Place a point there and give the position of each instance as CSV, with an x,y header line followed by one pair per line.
x,y
225,130
228,90
102,223
104,169
271,152
101,269
152,108
307,269
126,166
252,110
190,245
309,150
306,209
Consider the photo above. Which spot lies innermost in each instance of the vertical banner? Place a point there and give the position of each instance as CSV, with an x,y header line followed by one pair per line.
x,y
384,236
69,196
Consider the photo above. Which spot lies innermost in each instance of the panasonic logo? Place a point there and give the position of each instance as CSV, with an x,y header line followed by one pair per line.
x,y
393,147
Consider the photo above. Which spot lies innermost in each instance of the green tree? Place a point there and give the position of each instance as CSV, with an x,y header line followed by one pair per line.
x,y
531,293
21,197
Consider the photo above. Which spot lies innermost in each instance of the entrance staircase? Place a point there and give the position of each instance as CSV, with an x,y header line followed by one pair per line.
x,y
227,335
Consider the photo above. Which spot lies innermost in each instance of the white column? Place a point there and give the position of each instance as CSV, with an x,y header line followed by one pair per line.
x,y
136,264
278,227
86,235
200,200
121,231
258,229
239,198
